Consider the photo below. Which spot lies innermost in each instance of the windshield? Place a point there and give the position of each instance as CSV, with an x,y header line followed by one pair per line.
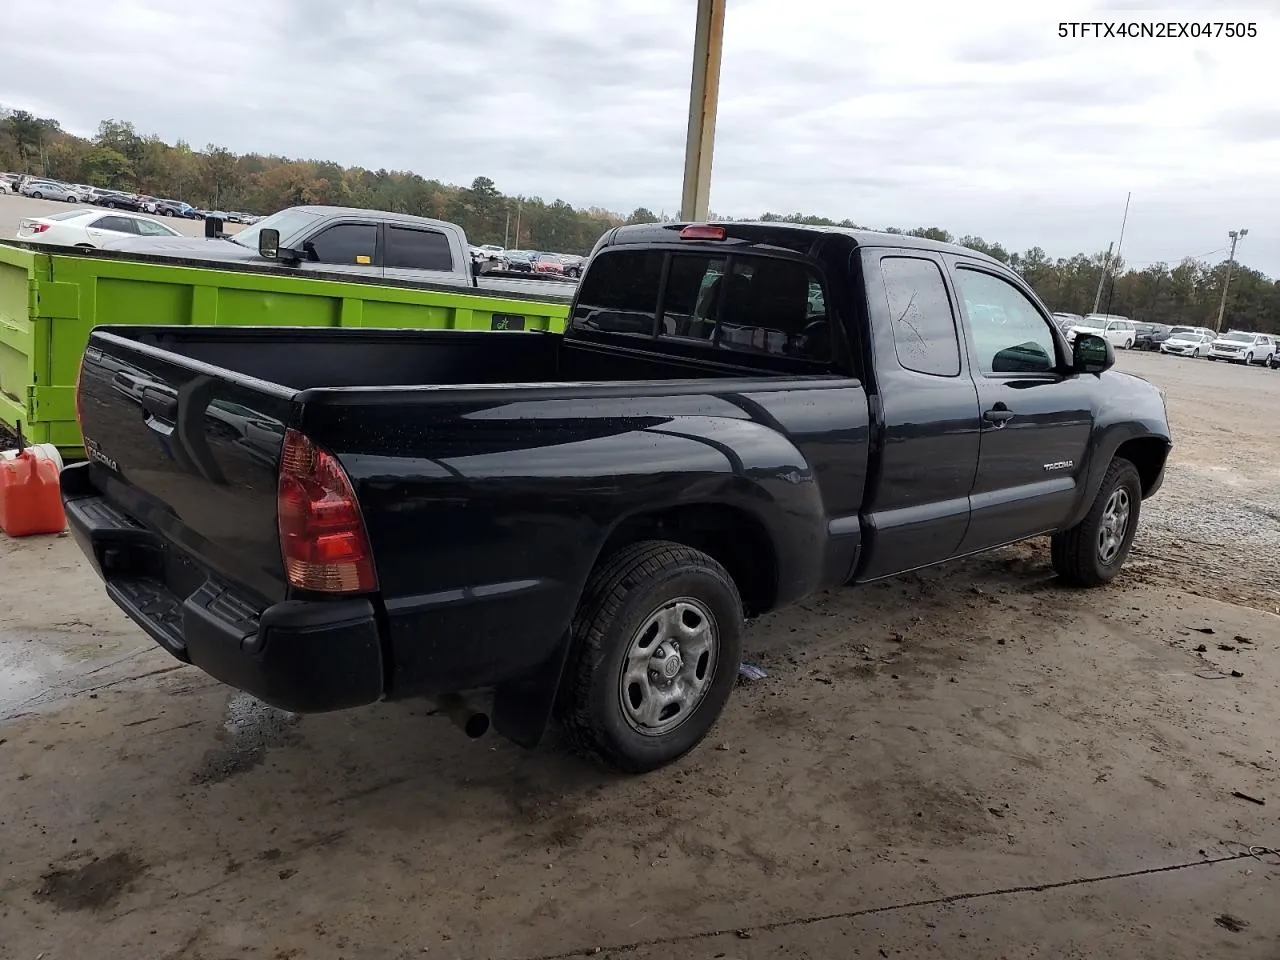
x,y
1237,337
288,222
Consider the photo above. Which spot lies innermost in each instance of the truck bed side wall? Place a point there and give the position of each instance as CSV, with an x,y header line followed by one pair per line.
x,y
502,503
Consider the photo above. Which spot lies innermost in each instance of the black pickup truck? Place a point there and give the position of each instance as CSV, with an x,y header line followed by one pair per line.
x,y
526,525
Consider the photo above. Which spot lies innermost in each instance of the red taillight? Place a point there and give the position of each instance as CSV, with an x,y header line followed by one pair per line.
x,y
702,231
322,535
33,226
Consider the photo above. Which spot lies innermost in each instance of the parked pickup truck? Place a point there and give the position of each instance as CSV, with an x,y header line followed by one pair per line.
x,y
737,416
374,244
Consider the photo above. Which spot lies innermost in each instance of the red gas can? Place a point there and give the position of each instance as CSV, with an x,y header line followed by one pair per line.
x,y
30,500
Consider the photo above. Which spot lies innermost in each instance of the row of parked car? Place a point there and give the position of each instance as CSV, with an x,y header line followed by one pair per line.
x,y
45,189
492,257
1234,346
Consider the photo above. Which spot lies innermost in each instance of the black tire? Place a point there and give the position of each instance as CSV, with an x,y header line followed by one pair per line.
x,y
37,195
626,590
110,204
1075,553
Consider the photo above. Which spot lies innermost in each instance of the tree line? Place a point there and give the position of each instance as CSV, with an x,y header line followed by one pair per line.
x,y
118,157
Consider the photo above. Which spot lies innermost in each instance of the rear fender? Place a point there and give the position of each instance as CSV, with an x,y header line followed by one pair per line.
x,y
753,469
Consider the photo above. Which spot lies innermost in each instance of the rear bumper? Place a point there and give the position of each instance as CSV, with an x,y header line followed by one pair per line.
x,y
302,656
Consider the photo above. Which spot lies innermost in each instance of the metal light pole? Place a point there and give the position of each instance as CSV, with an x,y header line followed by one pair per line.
x,y
704,95
1235,235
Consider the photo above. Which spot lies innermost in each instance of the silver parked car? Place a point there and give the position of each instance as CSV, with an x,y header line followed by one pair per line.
x,y
50,190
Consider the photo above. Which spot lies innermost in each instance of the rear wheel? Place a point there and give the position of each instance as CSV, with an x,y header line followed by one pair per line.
x,y
37,195
657,643
1092,552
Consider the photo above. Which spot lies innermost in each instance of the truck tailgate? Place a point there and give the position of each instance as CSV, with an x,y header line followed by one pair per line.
x,y
190,452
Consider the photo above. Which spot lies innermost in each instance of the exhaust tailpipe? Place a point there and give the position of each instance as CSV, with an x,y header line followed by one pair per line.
x,y
468,718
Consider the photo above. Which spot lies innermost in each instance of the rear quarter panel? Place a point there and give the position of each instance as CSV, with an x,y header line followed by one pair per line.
x,y
487,509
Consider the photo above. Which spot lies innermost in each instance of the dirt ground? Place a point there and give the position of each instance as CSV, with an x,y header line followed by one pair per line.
x,y
973,762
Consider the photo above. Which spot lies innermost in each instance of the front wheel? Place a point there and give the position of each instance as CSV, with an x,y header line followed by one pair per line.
x,y
1195,354
1092,552
1248,359
37,195
657,642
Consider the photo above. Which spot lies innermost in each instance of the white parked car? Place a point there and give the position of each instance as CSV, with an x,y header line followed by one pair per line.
x,y
90,228
1244,348
1120,331
1194,344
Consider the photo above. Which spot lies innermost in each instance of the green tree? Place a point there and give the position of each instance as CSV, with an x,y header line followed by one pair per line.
x,y
217,171
104,167
120,136
642,215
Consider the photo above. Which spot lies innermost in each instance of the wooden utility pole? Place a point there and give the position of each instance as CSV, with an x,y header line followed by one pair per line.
x,y
704,95
1235,235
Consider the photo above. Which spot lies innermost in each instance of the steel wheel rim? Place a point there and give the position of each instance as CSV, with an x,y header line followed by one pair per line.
x,y
669,667
1115,524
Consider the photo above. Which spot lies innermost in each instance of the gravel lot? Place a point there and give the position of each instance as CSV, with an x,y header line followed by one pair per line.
x,y
972,762
14,208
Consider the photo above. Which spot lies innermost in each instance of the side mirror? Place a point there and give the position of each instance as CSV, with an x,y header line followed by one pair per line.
x,y
212,228
269,243
1092,354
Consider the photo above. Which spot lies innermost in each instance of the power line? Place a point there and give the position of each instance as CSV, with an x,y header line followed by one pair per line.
x,y
1178,259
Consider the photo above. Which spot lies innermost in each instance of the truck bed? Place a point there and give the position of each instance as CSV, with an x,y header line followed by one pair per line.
x,y
465,450
51,297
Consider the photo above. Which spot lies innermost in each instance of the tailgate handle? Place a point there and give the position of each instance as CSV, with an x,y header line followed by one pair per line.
x,y
159,405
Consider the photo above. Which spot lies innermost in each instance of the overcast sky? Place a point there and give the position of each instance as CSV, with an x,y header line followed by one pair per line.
x,y
975,117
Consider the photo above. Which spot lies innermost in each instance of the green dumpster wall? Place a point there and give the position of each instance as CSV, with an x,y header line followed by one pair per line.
x,y
50,301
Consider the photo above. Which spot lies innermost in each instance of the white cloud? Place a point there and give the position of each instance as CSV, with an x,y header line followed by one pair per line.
x,y
977,118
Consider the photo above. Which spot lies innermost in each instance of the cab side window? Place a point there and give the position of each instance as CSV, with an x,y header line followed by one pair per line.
x,y
414,249
344,243
924,328
116,224
1009,333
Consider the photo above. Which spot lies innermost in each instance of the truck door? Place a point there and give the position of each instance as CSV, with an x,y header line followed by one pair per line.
x,y
1037,415
917,506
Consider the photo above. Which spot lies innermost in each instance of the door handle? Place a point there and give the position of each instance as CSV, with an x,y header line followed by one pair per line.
x,y
999,415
